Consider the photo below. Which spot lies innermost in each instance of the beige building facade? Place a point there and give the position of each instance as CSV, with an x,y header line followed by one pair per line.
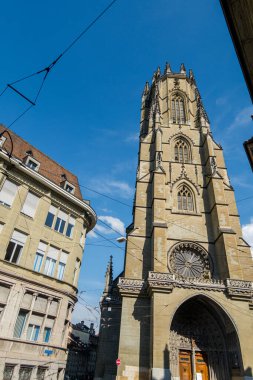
x,y
182,308
43,226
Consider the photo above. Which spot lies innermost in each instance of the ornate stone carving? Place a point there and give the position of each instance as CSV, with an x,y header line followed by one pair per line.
x,y
189,260
133,286
168,281
239,288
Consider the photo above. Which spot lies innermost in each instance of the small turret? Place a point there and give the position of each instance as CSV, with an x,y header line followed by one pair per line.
x,y
167,69
191,76
182,69
108,278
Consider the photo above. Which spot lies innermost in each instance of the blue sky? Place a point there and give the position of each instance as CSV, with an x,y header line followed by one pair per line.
x,y
87,117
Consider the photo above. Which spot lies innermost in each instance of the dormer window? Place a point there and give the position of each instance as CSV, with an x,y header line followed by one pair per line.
x,y
2,141
32,163
69,188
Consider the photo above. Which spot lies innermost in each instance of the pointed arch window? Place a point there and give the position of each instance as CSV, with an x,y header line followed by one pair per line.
x,y
178,110
182,151
185,199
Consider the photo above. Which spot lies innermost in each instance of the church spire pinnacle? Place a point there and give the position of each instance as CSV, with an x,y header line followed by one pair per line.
x,y
182,69
108,277
146,89
167,68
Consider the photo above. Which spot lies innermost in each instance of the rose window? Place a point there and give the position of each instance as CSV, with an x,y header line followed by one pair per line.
x,y
189,260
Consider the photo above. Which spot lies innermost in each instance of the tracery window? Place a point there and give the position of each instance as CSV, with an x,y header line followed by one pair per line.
x,y
185,199
178,110
182,151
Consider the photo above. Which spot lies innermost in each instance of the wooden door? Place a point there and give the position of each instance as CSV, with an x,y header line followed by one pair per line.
x,y
201,366
185,365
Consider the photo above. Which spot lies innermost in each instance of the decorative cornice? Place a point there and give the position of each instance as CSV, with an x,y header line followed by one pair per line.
x,y
169,281
166,282
132,286
239,289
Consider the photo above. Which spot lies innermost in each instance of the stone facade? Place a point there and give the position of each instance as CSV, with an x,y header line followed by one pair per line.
x,y
186,289
43,226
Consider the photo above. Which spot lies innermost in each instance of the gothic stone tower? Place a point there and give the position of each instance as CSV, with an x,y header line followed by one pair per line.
x,y
186,290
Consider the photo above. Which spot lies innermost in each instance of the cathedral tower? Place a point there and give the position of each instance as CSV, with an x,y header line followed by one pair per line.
x,y
186,290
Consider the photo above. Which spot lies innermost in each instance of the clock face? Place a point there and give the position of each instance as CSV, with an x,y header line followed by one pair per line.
x,y
189,260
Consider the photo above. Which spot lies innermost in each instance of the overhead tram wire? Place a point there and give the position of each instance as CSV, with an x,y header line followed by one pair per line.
x,y
48,68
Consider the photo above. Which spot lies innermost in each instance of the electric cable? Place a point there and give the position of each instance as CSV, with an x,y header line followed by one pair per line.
x,y
48,68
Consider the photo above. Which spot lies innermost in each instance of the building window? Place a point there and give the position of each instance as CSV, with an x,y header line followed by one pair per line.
x,y
62,265
32,163
69,188
50,216
51,259
185,199
8,371
30,205
25,373
182,151
39,256
8,193
33,332
15,247
70,227
49,266
2,141
41,373
60,221
61,269
46,334
20,323
177,109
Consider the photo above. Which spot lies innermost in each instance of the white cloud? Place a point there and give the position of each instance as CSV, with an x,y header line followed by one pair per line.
x,y
247,231
242,118
115,223
113,187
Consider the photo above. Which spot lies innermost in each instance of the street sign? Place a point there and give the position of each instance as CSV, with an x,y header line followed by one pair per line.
x,y
118,361
48,352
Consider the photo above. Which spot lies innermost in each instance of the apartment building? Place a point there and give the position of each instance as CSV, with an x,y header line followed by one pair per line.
x,y
43,227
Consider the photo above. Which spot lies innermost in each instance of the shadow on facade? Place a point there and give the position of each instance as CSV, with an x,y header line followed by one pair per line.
x,y
141,313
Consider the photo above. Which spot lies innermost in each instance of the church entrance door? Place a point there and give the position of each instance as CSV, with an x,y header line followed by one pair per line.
x,y
201,366
185,365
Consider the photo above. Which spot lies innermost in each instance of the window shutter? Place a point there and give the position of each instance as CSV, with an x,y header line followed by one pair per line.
x,y
36,320
27,300
50,322
4,293
64,257
20,323
52,209
19,237
62,215
53,253
40,304
8,192
30,204
72,220
53,308
42,248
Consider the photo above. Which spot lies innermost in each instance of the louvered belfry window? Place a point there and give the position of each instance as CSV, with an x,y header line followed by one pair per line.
x,y
182,151
177,109
185,199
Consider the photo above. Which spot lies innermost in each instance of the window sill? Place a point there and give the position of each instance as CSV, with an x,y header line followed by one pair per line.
x,y
190,213
27,216
5,205
59,233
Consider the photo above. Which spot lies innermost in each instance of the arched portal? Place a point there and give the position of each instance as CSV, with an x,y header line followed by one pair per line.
x,y
203,342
